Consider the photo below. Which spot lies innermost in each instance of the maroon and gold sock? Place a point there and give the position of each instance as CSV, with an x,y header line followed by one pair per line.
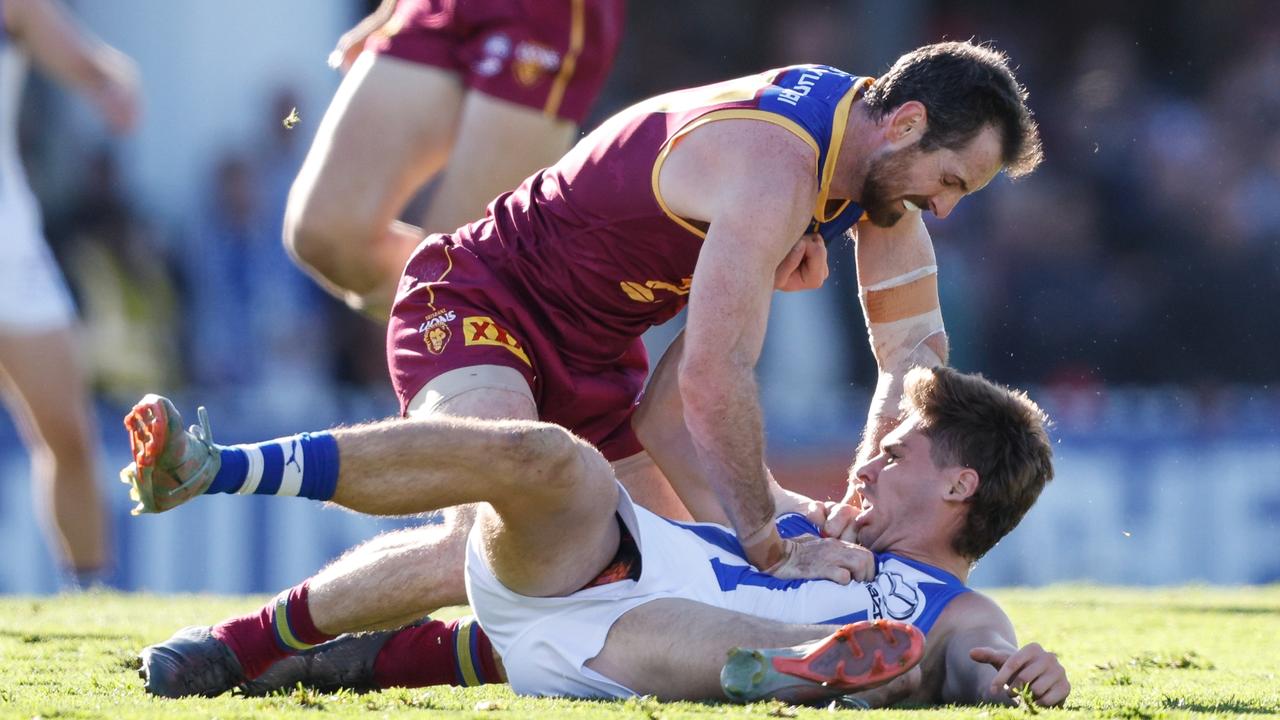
x,y
437,653
283,627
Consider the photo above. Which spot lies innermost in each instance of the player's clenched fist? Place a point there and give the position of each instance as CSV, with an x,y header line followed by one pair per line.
x,y
1030,667
809,557
804,267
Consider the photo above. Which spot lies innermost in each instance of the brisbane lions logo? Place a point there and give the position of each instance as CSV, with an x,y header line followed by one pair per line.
x,y
893,597
435,330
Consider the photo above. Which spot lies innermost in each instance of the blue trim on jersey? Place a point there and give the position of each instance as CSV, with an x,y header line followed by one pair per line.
x,y
731,577
936,595
936,598
794,525
715,535
850,618
808,95
272,469
836,228
923,567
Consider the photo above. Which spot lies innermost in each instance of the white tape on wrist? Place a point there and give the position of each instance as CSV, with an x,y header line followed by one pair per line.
x,y
902,279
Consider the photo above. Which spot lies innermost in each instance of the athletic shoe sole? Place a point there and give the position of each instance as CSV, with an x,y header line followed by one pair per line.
x,y
148,426
856,657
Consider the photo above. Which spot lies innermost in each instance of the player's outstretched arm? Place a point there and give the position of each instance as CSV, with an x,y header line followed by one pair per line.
x,y
984,664
76,59
897,282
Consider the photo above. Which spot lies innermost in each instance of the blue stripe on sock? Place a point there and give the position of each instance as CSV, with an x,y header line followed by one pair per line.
x,y
272,469
320,472
475,652
235,466
457,665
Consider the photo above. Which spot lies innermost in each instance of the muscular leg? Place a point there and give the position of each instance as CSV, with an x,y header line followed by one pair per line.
x,y
390,127
548,497
47,390
399,577
498,145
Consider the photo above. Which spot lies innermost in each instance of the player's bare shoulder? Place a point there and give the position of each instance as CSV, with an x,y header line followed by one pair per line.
x,y
733,157
966,617
972,611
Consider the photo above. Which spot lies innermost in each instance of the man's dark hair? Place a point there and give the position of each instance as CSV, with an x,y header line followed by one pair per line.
x,y
964,87
997,432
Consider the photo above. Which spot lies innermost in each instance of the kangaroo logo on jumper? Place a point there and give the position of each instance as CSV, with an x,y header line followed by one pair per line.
x,y
645,291
435,330
481,330
892,596
533,61
802,87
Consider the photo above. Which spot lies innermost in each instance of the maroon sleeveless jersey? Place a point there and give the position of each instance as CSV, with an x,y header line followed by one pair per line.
x,y
576,263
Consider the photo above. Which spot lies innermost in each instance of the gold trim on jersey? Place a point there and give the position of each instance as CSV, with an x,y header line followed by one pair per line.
x,y
431,293
570,61
726,114
838,123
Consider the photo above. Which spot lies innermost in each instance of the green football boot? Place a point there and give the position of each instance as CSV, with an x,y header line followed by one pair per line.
x,y
170,465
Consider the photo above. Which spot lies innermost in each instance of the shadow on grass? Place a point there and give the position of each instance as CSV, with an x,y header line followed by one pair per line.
x,y
45,636
1234,706
1223,609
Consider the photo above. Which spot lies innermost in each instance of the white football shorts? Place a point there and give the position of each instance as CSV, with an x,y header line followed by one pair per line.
x,y
33,296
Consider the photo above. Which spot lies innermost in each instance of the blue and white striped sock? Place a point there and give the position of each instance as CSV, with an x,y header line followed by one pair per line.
x,y
303,465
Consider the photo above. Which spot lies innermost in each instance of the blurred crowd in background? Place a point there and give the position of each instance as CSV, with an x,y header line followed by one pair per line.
x,y
1145,251
1130,283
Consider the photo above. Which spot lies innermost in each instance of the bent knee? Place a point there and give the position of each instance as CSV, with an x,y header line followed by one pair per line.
x,y
559,466
319,239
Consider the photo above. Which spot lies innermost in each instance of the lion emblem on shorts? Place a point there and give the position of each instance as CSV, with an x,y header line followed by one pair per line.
x,y
435,330
534,61
437,338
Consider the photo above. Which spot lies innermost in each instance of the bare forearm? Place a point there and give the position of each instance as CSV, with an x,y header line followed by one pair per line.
x,y
898,291
725,424
659,424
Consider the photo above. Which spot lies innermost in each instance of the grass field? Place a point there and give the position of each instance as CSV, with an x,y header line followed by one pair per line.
x,y
1188,652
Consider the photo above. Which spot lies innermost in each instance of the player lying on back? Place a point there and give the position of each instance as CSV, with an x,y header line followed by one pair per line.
x,y
966,462
583,593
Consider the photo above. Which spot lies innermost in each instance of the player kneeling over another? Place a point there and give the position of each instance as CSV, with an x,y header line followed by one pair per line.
x,y
582,593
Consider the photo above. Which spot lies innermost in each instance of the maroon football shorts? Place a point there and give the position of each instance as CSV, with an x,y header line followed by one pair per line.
x,y
453,312
549,55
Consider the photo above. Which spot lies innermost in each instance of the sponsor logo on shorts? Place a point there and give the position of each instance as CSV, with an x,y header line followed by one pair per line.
x,y
435,330
481,330
647,291
892,596
495,53
534,61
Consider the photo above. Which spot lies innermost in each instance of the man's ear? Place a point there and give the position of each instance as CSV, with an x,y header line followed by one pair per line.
x,y
962,484
906,124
